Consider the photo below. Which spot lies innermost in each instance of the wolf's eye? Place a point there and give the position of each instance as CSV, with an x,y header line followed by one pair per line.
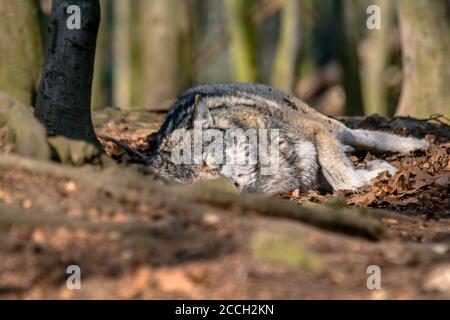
x,y
237,185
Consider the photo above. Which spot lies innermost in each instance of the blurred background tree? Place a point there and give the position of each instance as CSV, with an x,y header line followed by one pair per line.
x,y
101,96
242,40
166,42
349,28
149,51
21,51
122,71
288,51
425,40
377,50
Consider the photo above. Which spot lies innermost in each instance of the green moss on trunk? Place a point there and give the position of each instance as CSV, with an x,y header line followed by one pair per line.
x,y
242,44
21,53
425,30
288,51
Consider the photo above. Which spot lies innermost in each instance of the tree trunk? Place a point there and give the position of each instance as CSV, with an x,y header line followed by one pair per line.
x,y
376,61
288,52
64,98
122,55
242,41
28,136
348,56
167,59
100,92
425,34
21,52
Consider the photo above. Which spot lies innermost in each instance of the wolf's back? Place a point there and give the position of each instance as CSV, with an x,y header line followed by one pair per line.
x,y
181,111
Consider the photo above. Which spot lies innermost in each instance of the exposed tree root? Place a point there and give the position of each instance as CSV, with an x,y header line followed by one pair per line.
x,y
15,216
119,181
349,220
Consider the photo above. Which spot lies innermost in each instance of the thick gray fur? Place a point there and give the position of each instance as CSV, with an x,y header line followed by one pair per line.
x,y
312,146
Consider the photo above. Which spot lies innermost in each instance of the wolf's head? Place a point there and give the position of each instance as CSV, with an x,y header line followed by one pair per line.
x,y
183,155
205,149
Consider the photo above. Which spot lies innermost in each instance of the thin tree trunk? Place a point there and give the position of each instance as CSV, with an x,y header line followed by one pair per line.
x,y
122,76
137,69
288,52
100,96
376,61
21,53
242,42
167,60
64,98
349,56
425,34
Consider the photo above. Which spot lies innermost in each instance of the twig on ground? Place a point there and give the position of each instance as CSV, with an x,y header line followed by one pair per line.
x,y
123,145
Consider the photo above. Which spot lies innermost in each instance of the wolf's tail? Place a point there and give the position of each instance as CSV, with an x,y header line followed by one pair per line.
x,y
366,139
381,141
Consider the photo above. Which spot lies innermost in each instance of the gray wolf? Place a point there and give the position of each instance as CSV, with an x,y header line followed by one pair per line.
x,y
311,147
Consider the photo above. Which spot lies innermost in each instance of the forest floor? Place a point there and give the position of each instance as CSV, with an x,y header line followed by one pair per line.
x,y
135,239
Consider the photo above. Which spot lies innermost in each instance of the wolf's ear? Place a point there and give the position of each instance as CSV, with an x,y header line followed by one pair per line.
x,y
202,113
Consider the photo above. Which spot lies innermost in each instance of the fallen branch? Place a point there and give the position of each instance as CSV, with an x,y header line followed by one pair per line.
x,y
123,145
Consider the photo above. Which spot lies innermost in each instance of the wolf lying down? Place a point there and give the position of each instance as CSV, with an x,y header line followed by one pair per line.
x,y
310,147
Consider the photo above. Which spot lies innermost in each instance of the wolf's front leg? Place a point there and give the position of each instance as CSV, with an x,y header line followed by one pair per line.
x,y
336,167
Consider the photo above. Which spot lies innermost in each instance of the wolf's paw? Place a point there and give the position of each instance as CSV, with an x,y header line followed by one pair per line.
x,y
354,181
413,144
422,144
375,167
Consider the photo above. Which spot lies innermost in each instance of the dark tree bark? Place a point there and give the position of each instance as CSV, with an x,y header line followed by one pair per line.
x,y
64,98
